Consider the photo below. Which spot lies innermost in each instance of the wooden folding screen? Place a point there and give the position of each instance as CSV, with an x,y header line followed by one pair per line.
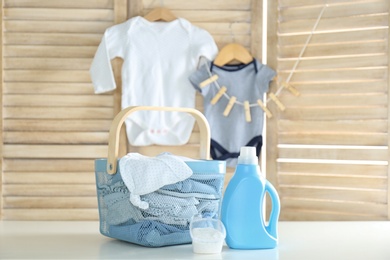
x,y
328,152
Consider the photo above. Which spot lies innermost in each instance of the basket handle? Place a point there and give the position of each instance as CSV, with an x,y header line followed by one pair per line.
x,y
113,141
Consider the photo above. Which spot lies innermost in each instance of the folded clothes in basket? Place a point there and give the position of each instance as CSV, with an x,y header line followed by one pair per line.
x,y
166,219
170,209
143,174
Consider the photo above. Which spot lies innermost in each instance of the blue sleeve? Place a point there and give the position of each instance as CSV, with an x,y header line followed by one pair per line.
x,y
265,75
198,77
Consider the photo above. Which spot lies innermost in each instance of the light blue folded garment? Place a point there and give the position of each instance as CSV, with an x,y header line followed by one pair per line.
x,y
151,234
170,209
197,185
119,208
208,206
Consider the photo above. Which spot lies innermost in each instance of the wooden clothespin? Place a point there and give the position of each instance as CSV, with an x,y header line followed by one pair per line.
x,y
277,101
217,96
266,110
247,109
208,81
229,106
290,88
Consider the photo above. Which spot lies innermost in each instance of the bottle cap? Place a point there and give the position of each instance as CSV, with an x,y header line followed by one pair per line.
x,y
248,155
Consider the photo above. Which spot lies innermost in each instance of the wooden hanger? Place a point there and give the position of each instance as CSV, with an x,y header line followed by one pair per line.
x,y
233,52
160,14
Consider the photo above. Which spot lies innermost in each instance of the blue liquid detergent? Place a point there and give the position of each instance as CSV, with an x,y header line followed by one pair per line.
x,y
242,210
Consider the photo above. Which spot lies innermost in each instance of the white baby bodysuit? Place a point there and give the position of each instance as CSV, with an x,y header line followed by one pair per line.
x,y
158,58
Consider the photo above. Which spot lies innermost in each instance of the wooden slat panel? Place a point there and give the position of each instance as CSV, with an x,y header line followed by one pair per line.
x,y
346,126
56,125
375,35
49,51
224,39
59,100
225,28
388,121
200,4
312,64
57,113
335,113
1,120
236,28
59,3
49,165
334,169
55,138
58,14
48,88
47,63
57,26
375,154
52,39
329,180
342,87
341,10
334,138
67,138
50,202
54,151
345,49
369,195
344,100
211,15
220,45
297,3
50,214
47,75
342,207
239,28
338,75
48,177
337,24
49,190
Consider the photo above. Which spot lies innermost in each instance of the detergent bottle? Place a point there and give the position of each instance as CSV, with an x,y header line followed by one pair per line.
x,y
242,210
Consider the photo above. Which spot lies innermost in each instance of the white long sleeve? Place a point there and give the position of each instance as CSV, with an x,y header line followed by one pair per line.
x,y
101,71
111,46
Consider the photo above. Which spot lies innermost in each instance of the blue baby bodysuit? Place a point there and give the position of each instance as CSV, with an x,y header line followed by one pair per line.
x,y
246,82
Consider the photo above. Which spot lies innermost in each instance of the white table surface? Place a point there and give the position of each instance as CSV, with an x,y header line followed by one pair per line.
x,y
297,240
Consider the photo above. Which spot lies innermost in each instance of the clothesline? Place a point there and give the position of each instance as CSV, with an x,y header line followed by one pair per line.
x,y
222,91
303,49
